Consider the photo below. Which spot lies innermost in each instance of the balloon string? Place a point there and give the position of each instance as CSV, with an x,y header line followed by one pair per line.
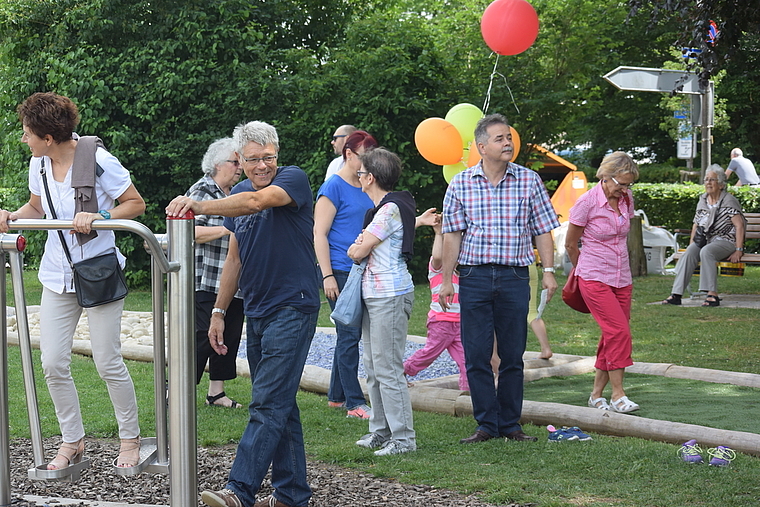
x,y
487,101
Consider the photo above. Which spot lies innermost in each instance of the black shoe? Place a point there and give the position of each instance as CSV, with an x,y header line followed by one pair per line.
x,y
520,436
478,436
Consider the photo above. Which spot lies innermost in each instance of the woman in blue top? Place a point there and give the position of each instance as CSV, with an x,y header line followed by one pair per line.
x,y
338,217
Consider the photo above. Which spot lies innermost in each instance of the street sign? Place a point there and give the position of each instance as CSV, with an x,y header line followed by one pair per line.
x,y
686,148
642,79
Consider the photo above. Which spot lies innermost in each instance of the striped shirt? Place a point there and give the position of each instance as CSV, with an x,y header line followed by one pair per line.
x,y
436,313
499,222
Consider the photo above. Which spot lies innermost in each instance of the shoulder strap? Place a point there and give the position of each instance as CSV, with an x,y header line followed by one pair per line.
x,y
52,210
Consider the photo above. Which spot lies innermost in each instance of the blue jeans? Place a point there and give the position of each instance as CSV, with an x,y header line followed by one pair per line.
x,y
278,345
494,298
344,380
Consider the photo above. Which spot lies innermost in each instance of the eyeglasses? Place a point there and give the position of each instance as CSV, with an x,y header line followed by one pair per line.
x,y
233,162
711,180
255,161
359,173
624,185
335,138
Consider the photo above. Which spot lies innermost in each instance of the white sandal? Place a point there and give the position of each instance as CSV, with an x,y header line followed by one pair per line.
x,y
599,403
624,405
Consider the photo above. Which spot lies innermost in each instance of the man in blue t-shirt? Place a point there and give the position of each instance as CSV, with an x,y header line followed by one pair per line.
x,y
271,258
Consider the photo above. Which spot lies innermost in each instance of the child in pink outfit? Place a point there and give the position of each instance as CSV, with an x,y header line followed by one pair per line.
x,y
443,327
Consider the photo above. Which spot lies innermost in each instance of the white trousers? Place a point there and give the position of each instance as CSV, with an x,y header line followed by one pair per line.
x,y
59,315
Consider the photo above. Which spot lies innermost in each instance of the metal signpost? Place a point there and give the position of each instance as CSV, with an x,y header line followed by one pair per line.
x,y
643,79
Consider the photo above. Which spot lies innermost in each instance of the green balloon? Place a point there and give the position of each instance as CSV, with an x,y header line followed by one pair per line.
x,y
465,117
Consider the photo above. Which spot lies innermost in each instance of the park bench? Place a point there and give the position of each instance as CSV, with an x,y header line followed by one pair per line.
x,y
752,231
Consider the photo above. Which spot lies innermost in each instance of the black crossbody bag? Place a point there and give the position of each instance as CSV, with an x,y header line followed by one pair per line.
x,y
98,280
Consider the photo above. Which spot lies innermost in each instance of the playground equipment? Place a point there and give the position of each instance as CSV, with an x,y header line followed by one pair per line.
x,y
179,269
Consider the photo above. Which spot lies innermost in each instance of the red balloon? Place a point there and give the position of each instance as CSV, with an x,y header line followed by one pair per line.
x,y
509,27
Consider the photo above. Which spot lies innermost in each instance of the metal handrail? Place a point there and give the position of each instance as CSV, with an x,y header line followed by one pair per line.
x,y
29,224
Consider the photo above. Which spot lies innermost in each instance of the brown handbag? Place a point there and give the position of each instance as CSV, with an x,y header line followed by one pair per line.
x,y
571,294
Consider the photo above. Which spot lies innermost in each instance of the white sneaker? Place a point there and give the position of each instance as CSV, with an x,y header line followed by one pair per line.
x,y
371,441
394,447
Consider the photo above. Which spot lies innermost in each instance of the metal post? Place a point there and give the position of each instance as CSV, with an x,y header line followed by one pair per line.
x,y
159,362
8,242
183,474
707,103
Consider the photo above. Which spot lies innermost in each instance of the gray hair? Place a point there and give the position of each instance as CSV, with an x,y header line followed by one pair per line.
x,y
719,173
384,165
481,129
219,151
257,132
736,152
617,162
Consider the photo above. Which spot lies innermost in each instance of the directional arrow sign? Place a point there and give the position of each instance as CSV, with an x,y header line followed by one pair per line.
x,y
642,79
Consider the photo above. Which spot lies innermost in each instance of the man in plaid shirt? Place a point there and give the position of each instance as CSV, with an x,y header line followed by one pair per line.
x,y
491,213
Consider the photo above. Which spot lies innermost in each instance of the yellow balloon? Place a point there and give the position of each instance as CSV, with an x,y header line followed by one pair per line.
x,y
465,118
450,170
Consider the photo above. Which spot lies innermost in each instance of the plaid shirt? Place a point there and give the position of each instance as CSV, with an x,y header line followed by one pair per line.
x,y
209,257
499,222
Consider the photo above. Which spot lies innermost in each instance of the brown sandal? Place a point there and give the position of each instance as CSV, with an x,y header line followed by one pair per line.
x,y
129,453
68,454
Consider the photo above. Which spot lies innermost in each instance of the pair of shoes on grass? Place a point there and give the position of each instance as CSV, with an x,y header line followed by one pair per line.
x,y
720,456
565,434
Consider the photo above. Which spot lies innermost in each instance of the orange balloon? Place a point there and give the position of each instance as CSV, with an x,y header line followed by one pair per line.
x,y
473,157
438,141
515,143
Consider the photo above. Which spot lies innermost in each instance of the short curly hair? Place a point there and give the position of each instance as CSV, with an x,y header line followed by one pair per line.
x,y
49,114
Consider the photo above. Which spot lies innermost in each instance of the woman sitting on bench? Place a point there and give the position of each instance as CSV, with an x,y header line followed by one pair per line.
x,y
719,214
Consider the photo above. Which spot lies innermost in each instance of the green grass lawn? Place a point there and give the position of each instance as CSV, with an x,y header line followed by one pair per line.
x,y
608,471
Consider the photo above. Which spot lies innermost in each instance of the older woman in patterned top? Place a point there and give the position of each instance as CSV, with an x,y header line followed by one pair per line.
x,y
720,216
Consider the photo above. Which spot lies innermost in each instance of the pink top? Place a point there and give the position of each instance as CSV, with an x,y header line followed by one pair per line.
x,y
604,251
436,313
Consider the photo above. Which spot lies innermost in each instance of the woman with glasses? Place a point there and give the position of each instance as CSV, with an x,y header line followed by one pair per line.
x,y
338,216
719,215
600,220
221,171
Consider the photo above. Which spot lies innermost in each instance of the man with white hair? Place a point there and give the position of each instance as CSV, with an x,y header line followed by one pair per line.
x,y
338,142
271,258
744,169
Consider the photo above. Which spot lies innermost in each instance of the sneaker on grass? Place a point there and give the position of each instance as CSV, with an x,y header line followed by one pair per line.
x,y
360,412
690,452
575,430
371,441
721,456
560,435
394,447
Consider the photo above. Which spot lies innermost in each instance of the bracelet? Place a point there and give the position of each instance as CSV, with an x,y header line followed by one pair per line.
x,y
219,310
327,276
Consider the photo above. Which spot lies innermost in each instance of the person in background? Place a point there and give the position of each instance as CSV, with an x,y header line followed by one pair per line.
x,y
49,121
271,259
720,215
388,295
221,171
338,218
443,327
601,219
491,213
744,169
537,324
338,141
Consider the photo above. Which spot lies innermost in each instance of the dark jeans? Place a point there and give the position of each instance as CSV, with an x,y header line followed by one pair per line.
x,y
219,367
278,345
494,298
344,380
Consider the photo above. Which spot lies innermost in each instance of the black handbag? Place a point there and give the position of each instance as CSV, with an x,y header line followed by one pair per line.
x,y
700,238
98,280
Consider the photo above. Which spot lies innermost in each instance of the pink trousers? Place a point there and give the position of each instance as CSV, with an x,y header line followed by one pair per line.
x,y
442,335
611,308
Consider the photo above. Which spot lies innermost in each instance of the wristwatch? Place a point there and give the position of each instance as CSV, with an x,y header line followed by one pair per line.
x,y
219,310
105,214
740,249
549,270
